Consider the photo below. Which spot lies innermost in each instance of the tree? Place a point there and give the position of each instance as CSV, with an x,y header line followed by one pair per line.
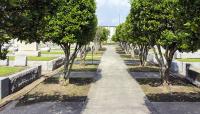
x,y
4,27
73,23
167,24
3,40
130,37
23,20
101,36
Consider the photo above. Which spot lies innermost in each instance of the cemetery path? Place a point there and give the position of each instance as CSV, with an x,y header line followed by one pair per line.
x,y
116,92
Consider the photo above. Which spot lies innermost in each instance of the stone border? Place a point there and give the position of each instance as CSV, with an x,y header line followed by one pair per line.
x,y
56,63
194,76
19,80
27,89
48,65
95,62
143,75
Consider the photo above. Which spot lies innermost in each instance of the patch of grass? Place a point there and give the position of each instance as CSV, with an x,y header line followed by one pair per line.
x,y
33,58
126,56
81,68
5,71
89,57
143,69
189,60
52,52
52,90
180,90
11,58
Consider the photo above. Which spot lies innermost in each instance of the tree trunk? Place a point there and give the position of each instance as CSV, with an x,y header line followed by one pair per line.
x,y
69,59
83,54
66,50
143,54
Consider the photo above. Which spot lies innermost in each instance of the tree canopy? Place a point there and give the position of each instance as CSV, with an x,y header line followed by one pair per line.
x,y
73,23
169,24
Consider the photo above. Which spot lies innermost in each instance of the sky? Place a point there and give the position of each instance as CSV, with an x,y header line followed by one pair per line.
x,y
112,12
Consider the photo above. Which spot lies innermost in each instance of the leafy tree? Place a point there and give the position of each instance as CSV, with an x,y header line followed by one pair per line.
x,y
101,36
3,40
130,37
73,23
23,20
4,25
166,24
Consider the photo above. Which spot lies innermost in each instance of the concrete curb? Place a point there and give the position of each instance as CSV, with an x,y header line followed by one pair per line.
x,y
28,88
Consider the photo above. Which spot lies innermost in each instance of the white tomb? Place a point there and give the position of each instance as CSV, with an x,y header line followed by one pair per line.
x,y
27,49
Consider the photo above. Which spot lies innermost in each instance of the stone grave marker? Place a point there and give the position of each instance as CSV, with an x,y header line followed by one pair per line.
x,y
20,60
27,49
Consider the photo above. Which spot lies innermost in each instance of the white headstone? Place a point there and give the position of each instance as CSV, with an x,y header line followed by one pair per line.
x,y
27,49
20,60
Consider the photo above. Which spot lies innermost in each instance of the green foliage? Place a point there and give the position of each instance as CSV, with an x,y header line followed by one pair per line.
x,y
3,39
102,33
74,22
24,20
171,24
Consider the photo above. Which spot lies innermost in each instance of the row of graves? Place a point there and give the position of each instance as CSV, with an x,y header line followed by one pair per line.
x,y
184,76
29,62
185,65
25,63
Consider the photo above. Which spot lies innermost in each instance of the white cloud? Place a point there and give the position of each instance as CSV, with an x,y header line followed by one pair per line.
x,y
119,3
113,3
108,11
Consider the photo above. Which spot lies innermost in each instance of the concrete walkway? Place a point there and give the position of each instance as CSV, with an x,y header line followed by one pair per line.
x,y
116,92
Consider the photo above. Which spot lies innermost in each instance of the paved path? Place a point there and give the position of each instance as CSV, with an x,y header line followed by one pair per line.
x,y
115,92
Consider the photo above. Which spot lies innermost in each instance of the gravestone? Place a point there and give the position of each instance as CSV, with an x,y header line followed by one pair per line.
x,y
4,87
27,49
20,60
187,55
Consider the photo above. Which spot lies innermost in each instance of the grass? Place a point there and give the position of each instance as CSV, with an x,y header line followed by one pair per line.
x,y
96,57
33,58
180,90
5,71
52,90
189,60
126,56
52,52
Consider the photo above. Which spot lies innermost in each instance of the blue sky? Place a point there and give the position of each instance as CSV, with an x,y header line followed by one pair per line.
x,y
108,11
